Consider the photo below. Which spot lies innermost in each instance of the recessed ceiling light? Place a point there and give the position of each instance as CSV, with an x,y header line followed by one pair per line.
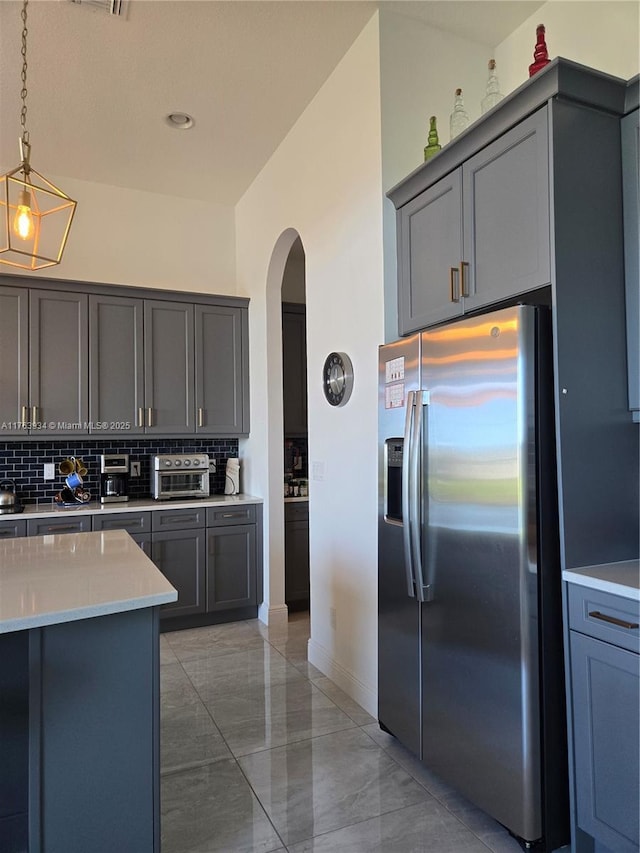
x,y
179,121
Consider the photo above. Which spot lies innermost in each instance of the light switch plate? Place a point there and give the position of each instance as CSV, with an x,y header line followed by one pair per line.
x,y
49,471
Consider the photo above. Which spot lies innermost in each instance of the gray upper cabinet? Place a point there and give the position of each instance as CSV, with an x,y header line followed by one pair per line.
x,y
14,360
429,254
631,201
506,215
116,368
221,367
43,362
294,368
58,360
480,234
93,359
169,367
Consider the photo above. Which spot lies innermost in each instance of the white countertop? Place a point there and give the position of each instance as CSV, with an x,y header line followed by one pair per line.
x,y
96,508
621,578
46,580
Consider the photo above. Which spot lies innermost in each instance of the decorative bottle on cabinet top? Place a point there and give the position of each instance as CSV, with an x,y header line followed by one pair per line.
x,y
494,95
540,53
433,145
459,118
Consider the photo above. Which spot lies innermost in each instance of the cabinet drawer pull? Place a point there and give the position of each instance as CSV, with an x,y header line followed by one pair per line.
x,y
7,532
180,519
58,527
233,514
464,279
595,614
453,272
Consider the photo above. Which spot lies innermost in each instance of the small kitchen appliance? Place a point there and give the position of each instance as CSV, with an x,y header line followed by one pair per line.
x,y
180,476
114,478
9,502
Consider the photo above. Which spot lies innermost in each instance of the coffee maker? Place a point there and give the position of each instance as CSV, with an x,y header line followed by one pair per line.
x,y
114,478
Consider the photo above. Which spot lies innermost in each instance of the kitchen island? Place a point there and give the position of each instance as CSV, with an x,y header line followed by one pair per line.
x,y
79,681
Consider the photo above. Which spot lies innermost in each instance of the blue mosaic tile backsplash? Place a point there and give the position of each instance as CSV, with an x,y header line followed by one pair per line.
x,y
23,462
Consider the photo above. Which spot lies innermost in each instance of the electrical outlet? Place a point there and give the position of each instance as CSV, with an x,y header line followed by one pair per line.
x,y
332,617
134,468
49,471
212,466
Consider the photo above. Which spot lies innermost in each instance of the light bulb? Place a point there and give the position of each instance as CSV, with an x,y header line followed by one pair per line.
x,y
23,222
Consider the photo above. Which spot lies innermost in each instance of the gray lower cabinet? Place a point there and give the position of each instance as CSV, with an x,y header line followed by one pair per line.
x,y
605,701
55,525
180,555
296,554
221,370
480,234
631,202
10,529
116,368
231,567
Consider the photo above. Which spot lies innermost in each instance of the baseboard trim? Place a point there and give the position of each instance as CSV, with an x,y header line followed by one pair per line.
x,y
344,678
274,617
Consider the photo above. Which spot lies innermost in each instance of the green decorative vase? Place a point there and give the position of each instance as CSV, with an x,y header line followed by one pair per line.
x,y
433,146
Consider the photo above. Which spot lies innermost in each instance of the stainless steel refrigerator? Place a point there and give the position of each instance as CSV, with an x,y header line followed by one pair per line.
x,y
470,627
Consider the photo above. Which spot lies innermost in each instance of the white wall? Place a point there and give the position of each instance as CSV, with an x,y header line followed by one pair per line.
x,y
602,35
325,182
420,69
141,239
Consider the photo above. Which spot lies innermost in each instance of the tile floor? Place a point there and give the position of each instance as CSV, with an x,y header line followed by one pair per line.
x,y
261,753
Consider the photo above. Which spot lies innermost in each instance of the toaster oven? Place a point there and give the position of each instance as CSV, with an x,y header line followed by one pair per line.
x,y
180,476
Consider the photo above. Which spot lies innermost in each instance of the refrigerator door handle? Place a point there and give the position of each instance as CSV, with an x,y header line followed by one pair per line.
x,y
424,592
406,494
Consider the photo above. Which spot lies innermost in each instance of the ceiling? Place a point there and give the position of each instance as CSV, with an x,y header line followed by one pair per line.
x,y
100,87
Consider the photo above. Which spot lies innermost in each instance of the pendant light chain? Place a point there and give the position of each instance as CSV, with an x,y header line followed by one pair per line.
x,y
23,92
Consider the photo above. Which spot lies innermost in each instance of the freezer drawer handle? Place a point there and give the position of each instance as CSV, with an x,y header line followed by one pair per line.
x,y
612,619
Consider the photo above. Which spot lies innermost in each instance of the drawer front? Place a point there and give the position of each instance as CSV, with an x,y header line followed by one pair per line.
x,y
225,515
132,522
11,529
41,526
607,617
177,519
296,511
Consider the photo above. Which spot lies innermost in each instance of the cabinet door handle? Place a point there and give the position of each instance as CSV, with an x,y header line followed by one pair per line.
x,y
149,416
140,417
25,417
200,416
453,289
595,614
34,414
464,278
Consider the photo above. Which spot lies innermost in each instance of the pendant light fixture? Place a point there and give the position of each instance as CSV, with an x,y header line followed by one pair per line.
x,y
35,216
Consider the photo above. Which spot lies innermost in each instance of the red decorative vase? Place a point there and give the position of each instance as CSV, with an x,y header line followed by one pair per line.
x,y
540,53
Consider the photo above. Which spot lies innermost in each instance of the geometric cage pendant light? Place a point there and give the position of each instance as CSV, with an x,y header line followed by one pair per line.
x,y
35,216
